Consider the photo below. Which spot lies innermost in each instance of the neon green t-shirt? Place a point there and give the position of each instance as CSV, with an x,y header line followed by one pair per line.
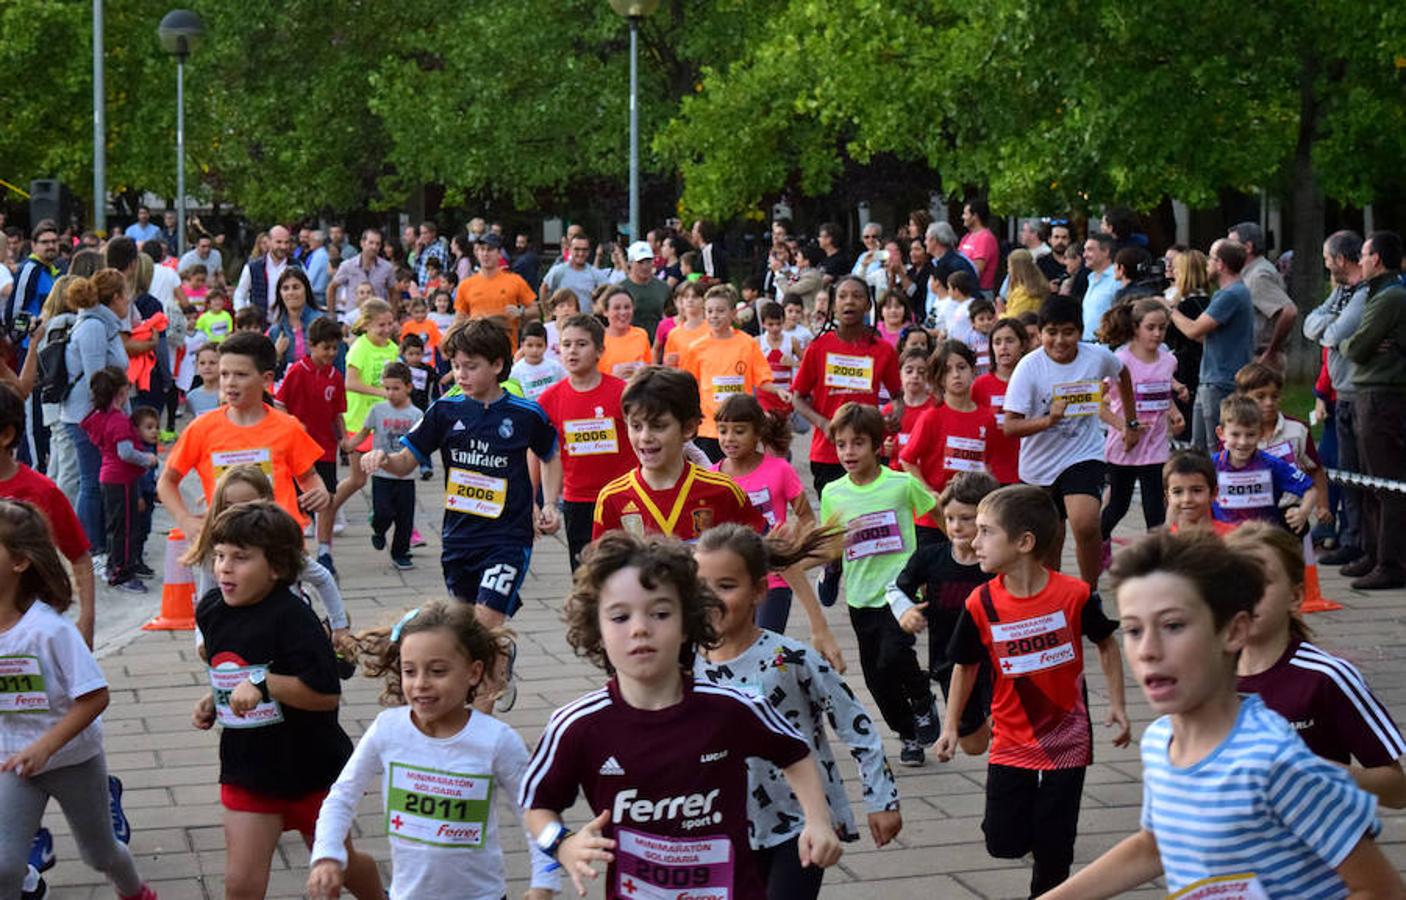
x,y
370,362
879,538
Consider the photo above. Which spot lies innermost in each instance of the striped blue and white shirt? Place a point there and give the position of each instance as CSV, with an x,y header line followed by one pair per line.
x,y
1261,803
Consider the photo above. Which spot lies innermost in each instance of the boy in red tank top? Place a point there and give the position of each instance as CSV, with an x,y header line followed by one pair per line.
x,y
1028,621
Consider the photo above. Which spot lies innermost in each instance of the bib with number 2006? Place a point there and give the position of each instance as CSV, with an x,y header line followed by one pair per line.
x,y
590,437
475,494
22,685
1082,398
657,868
445,809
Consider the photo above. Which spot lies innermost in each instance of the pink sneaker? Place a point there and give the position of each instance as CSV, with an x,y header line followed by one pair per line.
x,y
146,893
1107,559
416,539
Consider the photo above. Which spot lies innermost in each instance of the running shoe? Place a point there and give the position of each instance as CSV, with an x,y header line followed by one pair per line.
x,y
121,828
912,754
417,539
378,540
426,474
34,887
142,570
130,586
507,697
402,562
167,437
339,524
927,724
41,851
146,893
325,560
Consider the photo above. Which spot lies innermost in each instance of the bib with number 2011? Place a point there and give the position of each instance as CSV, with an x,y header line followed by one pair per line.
x,y
22,685
444,809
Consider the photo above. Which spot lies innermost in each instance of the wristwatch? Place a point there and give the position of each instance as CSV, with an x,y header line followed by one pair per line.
x,y
259,679
1133,424
551,838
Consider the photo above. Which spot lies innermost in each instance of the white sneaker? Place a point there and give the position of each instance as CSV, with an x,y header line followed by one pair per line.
x,y
340,524
310,529
100,565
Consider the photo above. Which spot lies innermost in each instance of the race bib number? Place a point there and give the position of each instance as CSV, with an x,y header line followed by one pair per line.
x,y
964,454
873,534
443,809
723,385
224,461
1082,398
475,494
590,437
1252,489
536,387
419,378
624,370
223,681
1152,396
998,406
1032,645
849,373
656,868
761,499
1242,886
1283,450
22,685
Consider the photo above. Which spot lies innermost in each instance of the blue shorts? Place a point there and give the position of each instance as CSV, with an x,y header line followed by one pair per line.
x,y
491,577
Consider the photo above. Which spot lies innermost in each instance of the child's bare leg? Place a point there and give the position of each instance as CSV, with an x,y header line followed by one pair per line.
x,y
250,840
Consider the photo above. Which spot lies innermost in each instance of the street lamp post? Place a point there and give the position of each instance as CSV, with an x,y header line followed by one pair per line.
x,y
181,32
634,11
99,125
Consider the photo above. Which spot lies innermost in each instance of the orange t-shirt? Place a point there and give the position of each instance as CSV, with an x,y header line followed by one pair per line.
x,y
427,330
620,352
679,339
724,367
278,444
480,295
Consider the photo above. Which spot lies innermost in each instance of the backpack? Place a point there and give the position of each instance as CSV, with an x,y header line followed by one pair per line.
x,y
54,383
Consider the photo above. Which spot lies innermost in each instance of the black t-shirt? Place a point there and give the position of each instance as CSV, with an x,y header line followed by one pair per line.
x,y
933,576
306,750
1188,352
1051,268
836,265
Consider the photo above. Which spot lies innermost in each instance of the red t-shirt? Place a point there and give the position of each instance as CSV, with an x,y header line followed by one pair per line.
x,y
277,444
674,780
27,484
1002,453
780,374
834,372
1218,528
911,415
317,398
699,500
946,442
595,447
1040,717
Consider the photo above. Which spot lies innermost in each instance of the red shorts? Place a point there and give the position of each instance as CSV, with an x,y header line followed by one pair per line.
x,y
299,814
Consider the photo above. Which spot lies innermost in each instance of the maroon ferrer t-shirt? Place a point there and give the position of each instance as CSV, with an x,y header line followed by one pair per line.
x,y
674,781
1330,705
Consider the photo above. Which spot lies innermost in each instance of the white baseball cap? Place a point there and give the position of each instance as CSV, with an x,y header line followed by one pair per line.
x,y
640,251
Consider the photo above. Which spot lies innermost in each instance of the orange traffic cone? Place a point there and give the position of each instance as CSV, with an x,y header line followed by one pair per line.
x,y
178,592
1313,599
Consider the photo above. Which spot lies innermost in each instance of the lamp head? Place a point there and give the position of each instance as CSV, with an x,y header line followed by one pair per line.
x,y
181,32
634,9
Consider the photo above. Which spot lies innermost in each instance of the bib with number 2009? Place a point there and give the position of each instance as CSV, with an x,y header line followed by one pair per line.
x,y
22,685
444,809
478,495
657,868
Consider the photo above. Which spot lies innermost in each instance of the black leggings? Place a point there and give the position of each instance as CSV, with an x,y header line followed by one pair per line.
x,y
577,521
1120,496
889,663
785,879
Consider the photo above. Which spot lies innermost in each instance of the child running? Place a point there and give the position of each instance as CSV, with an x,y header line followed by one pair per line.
x,y
1323,696
533,370
754,445
799,684
274,690
660,756
1028,622
1008,341
725,363
944,574
1137,330
877,506
689,324
440,763
1284,437
902,414
1189,480
585,411
52,694
483,436
783,354
392,495
315,393
667,493
950,438
111,431
1233,803
1252,483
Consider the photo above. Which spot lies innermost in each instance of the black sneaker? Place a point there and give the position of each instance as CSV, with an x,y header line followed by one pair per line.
x,y
325,560
378,541
402,563
912,754
142,570
927,725
41,890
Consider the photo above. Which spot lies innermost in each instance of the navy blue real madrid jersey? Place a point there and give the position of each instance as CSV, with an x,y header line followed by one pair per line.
x,y
487,490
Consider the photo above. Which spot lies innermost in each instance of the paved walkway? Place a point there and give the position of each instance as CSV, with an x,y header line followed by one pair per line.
x,y
170,769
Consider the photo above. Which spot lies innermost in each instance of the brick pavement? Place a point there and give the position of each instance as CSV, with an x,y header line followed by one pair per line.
x,y
170,769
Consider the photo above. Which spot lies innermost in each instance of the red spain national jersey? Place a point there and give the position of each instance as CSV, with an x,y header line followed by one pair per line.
x,y
699,500
1039,703
946,441
1002,453
595,448
834,372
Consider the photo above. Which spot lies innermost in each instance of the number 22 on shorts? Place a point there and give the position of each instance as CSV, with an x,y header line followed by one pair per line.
x,y
500,579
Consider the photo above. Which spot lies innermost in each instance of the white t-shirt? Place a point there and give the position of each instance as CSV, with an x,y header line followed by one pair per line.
x,y
536,379
440,801
44,667
1078,436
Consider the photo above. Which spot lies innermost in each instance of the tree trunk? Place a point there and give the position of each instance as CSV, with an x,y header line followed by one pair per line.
x,y
1306,283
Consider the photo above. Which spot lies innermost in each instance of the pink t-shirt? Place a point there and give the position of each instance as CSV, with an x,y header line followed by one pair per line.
x,y
981,244
666,325
1152,393
771,487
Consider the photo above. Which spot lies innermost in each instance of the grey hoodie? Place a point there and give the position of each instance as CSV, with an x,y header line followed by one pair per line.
x,y
94,343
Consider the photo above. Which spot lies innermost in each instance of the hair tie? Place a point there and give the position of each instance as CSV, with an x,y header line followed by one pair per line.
x,y
395,631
